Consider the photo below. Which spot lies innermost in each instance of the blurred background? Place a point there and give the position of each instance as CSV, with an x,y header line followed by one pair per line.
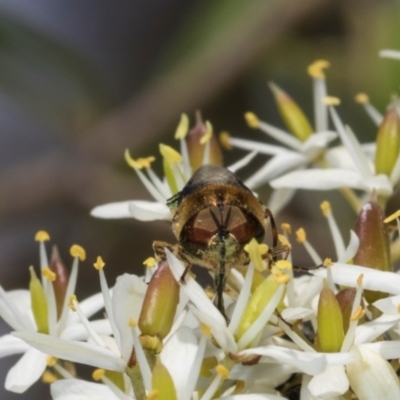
x,y
80,81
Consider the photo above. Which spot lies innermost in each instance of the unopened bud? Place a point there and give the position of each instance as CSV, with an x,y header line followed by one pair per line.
x,y
39,303
160,303
345,299
374,250
330,322
292,115
387,142
60,284
162,383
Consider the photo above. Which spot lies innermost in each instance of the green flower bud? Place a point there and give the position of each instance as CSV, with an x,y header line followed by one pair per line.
x,y
60,284
387,142
117,378
39,303
162,383
160,303
374,250
292,115
330,322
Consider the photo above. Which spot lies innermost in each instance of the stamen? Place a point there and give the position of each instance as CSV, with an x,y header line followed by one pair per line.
x,y
170,154
392,217
72,302
252,120
374,114
326,208
284,240
132,323
48,377
42,236
48,274
222,371
286,227
207,136
183,127
98,374
301,236
224,139
316,69
78,251
50,361
99,264
327,263
140,163
256,251
150,262
361,98
358,314
205,329
283,265
331,101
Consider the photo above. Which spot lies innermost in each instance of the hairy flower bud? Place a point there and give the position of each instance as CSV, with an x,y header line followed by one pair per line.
x,y
160,303
374,250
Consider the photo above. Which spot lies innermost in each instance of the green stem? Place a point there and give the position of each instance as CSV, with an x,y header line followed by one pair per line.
x,y
137,382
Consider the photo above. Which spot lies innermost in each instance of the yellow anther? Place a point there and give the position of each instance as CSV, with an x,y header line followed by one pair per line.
x,y
256,251
282,279
252,120
48,274
51,361
222,371
360,279
361,98
183,127
42,236
170,155
207,136
131,162
358,314
301,236
145,162
331,101
206,330
286,227
72,302
99,264
283,264
239,387
392,217
78,251
154,394
327,262
98,374
224,139
132,323
283,240
150,262
326,208
316,69
48,377
209,292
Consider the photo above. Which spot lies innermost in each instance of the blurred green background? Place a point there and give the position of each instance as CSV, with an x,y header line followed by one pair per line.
x,y
80,81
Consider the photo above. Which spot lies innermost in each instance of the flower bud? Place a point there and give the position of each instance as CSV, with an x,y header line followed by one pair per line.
x,y
292,115
39,303
160,303
117,378
162,383
345,299
196,149
374,250
387,142
60,284
330,322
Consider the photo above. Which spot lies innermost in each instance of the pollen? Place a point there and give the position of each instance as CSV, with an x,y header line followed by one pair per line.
x,y
286,227
331,101
51,361
48,377
283,240
170,155
326,208
205,329
98,374
360,279
316,69
131,162
183,127
327,263
256,251
283,264
392,217
301,236
78,251
252,120
222,371
224,139
207,136
145,162
358,314
42,236
132,323
279,277
361,98
48,274
99,264
72,302
150,262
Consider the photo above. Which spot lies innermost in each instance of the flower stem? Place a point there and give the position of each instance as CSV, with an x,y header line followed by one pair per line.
x,y
137,381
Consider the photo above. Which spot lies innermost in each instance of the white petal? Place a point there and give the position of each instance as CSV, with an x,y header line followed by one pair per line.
x,y
343,358
310,363
279,198
26,371
372,377
178,357
75,389
387,53
317,142
10,345
260,147
389,305
277,166
330,383
252,397
112,210
282,136
79,332
339,157
127,300
388,350
149,211
295,313
347,275
371,330
92,304
351,249
242,162
84,353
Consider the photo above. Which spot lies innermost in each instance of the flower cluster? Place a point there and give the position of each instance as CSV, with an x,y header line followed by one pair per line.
x,y
332,333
